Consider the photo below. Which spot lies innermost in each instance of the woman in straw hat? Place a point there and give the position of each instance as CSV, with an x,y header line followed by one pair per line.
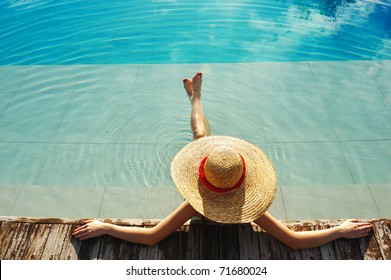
x,y
226,180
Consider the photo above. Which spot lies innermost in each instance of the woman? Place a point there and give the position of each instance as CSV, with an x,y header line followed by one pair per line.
x,y
226,180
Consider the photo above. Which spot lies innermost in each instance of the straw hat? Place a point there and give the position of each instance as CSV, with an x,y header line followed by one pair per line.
x,y
227,180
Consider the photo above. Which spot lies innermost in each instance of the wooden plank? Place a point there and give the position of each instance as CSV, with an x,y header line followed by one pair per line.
x,y
369,248
382,230
109,248
7,232
228,242
248,243
146,252
90,249
149,252
37,242
327,251
174,246
192,243
71,247
267,247
51,239
386,240
116,249
348,249
55,242
303,254
128,251
337,250
283,252
287,253
38,220
20,242
183,234
342,249
209,242
345,249
312,253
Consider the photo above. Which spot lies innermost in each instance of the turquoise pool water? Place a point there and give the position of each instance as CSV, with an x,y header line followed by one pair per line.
x,y
36,32
92,108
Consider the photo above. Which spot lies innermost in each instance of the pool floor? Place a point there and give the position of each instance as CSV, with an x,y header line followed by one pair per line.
x,y
97,140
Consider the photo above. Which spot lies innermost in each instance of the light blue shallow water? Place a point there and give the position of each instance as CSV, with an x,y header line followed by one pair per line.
x,y
92,107
112,32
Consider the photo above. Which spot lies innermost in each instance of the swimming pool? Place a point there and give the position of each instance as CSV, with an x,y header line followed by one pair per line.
x,y
46,32
92,108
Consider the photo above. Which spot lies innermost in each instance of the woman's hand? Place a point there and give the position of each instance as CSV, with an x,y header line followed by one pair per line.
x,y
354,229
90,229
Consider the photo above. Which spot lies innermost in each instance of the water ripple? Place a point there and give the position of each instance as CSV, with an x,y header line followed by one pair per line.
x,y
112,32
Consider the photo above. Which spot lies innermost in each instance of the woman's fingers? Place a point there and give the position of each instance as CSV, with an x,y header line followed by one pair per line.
x,y
352,228
365,226
363,229
85,224
81,233
81,230
91,228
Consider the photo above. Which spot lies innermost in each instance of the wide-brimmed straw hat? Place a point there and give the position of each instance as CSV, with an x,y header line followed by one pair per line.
x,y
225,179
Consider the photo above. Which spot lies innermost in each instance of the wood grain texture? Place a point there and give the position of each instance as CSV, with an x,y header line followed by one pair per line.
x,y
51,239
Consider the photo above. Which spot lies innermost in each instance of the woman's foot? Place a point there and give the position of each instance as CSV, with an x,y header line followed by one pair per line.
x,y
188,85
193,87
197,82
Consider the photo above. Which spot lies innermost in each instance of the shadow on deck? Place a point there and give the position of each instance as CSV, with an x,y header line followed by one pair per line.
x,y
50,239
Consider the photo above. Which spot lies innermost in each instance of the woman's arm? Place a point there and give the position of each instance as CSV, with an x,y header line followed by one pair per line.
x,y
147,236
309,239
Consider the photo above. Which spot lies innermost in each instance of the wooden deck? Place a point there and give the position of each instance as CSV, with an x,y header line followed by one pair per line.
x,y
50,239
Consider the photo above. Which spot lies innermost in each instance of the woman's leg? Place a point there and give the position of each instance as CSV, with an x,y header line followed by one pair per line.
x,y
199,123
150,236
